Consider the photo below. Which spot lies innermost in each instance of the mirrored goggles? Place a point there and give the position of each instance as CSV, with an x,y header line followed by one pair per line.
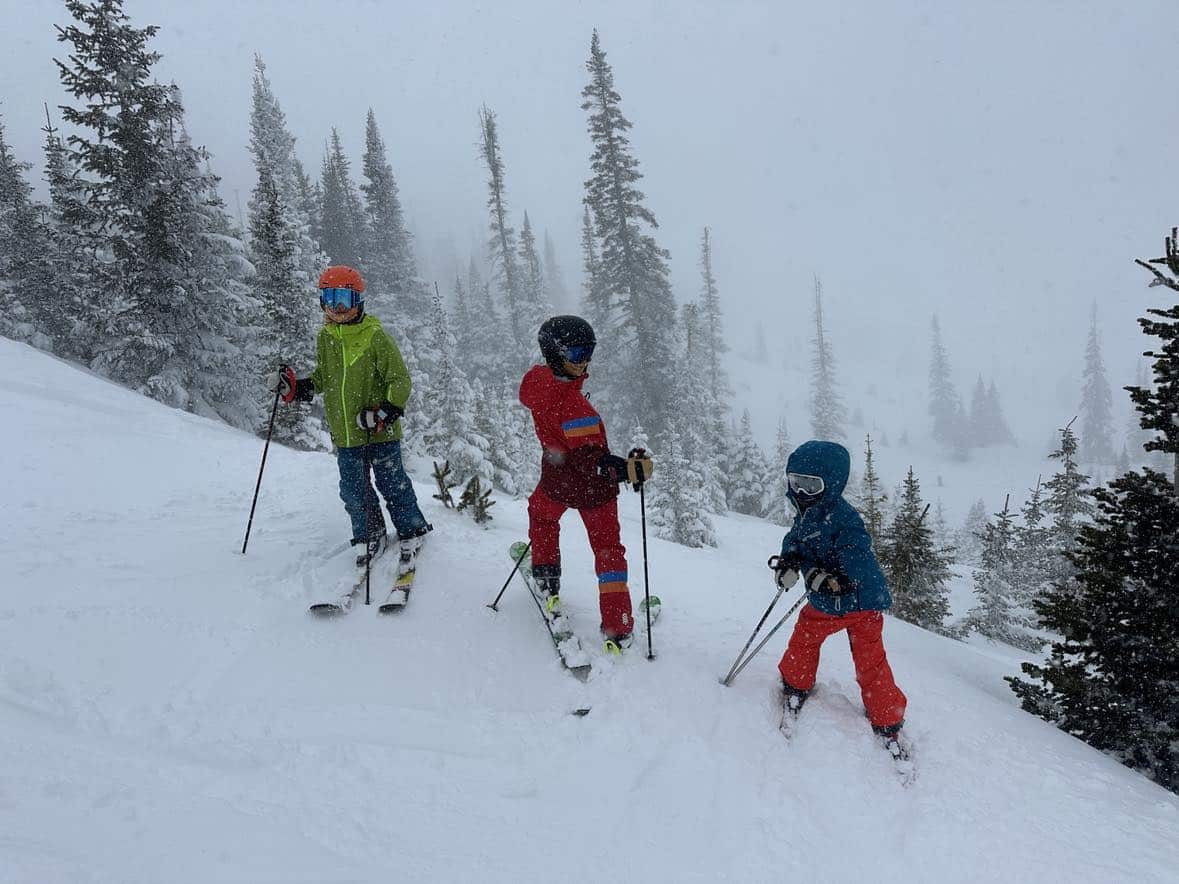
x,y
811,486
579,354
338,299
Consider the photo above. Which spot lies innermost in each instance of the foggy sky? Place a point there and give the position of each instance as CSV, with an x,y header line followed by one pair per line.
x,y
1001,166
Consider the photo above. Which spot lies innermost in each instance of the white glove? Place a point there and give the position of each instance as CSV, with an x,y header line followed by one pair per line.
x,y
818,580
784,578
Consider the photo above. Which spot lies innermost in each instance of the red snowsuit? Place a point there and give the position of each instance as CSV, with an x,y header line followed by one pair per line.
x,y
572,440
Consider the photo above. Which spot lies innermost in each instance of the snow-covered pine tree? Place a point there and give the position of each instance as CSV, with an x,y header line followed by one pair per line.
x,y
711,324
1000,433
1136,435
287,262
1069,503
873,497
501,245
556,292
707,453
1111,679
116,143
451,434
828,414
536,308
631,265
945,406
1096,402
1032,545
676,507
997,612
390,269
23,242
1158,403
980,432
747,472
308,196
69,257
969,539
774,505
917,570
342,226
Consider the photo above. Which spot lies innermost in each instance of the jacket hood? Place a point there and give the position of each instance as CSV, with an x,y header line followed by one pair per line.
x,y
830,461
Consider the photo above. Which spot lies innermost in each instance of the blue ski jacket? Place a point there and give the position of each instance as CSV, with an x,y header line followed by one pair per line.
x,y
829,534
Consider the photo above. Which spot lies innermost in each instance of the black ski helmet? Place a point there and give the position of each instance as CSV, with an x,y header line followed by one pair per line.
x,y
559,334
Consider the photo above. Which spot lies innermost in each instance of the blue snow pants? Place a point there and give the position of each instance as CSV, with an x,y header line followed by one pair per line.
x,y
356,490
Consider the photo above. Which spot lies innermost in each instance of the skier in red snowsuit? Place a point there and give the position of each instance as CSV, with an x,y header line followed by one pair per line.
x,y
577,471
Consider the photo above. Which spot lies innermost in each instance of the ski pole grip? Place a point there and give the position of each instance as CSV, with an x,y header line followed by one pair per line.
x,y
639,453
774,562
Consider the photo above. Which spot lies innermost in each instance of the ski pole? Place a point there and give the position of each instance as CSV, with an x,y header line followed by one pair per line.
x,y
646,579
368,534
258,486
515,568
769,636
760,623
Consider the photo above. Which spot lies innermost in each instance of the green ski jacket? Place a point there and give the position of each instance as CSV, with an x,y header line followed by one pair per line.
x,y
356,366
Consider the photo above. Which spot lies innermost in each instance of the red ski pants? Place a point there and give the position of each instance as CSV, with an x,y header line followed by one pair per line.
x,y
601,524
882,698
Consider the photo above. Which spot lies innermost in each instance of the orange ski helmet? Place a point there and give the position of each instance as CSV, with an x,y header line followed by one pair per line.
x,y
340,276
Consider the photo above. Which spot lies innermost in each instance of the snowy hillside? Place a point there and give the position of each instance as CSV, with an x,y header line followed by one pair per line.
x,y
169,712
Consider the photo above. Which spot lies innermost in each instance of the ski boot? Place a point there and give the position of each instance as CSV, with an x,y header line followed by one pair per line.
x,y
410,545
548,587
376,545
793,698
890,738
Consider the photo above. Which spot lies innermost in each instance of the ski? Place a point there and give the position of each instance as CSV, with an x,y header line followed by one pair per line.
x,y
342,603
407,569
615,647
900,752
568,647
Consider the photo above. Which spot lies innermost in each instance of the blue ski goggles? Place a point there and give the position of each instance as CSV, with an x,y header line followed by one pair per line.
x,y
339,299
808,486
579,354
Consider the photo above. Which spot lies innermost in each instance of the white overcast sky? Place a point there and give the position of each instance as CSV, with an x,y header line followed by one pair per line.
x,y
999,163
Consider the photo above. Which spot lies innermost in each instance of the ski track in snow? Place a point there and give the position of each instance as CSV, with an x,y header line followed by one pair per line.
x,y
170,712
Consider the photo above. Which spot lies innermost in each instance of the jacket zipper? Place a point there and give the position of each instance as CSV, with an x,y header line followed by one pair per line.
x,y
343,384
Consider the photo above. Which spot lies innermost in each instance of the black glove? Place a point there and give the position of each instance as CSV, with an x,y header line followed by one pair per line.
x,y
377,417
612,467
818,580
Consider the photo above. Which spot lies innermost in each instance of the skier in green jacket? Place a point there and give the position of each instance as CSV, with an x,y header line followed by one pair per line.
x,y
365,386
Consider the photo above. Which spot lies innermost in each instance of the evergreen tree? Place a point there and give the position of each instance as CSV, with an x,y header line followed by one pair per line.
x,y
69,257
677,509
1069,504
747,473
945,407
1136,435
969,542
776,500
917,570
694,418
979,429
22,250
286,259
531,279
342,220
502,243
710,315
1000,431
1096,403
997,613
1110,679
828,415
1032,548
873,497
632,268
555,291
1159,403
391,272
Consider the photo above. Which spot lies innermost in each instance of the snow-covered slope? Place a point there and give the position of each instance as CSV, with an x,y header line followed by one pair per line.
x,y
169,712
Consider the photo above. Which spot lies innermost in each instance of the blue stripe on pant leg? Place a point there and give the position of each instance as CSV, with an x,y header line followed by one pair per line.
x,y
395,487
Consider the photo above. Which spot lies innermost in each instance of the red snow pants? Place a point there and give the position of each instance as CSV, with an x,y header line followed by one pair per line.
x,y
601,524
882,698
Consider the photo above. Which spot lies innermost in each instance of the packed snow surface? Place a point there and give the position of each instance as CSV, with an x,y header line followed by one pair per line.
x,y
170,712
